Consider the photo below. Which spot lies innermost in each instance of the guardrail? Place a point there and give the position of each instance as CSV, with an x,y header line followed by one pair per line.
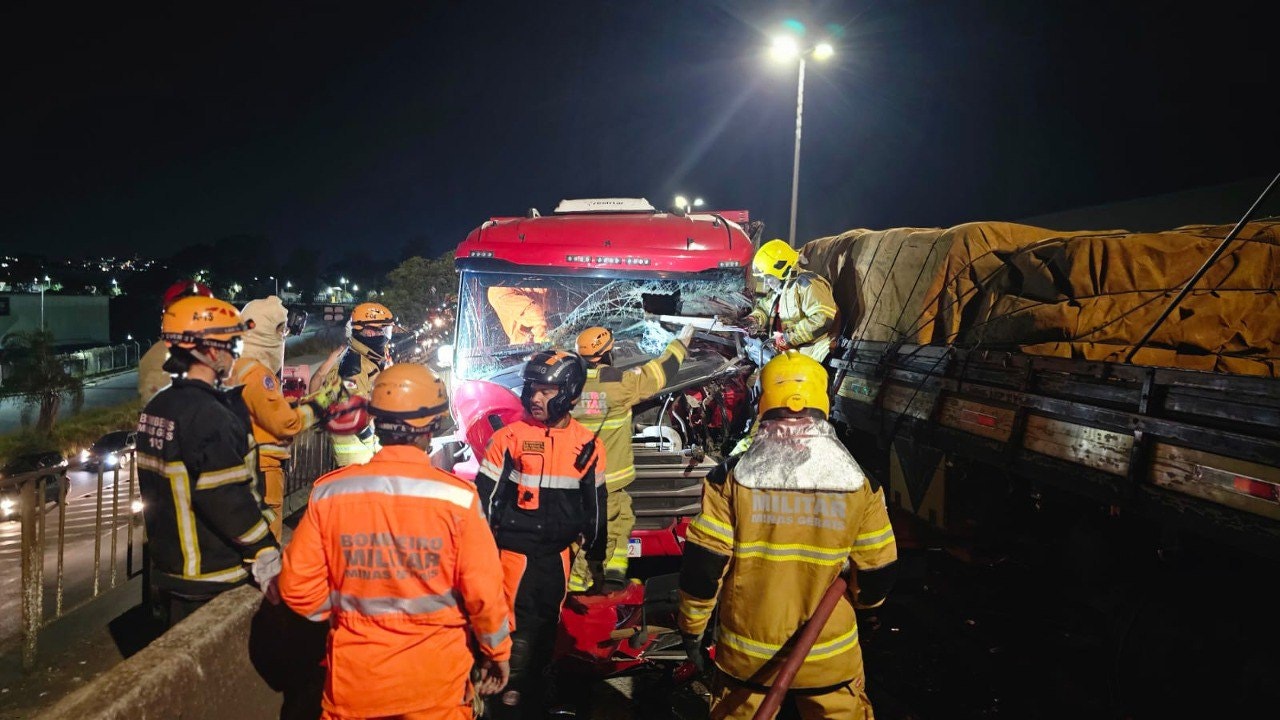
x,y
116,527
108,522
102,359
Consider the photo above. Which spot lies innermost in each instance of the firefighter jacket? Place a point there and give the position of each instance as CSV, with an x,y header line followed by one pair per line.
x,y
396,555
275,420
204,518
774,532
152,377
606,402
542,488
803,310
357,368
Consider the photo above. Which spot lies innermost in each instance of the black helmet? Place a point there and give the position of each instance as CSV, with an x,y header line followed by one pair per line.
x,y
555,367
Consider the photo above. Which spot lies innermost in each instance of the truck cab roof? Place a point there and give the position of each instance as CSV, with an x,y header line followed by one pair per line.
x,y
614,234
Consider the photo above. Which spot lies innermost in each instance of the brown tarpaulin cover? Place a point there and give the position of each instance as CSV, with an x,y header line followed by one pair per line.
x,y
1088,294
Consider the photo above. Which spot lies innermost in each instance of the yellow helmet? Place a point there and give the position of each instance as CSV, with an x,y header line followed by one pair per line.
x,y
371,314
408,397
197,320
794,381
594,342
775,258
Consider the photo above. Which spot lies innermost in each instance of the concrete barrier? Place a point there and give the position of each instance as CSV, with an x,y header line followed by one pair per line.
x,y
201,669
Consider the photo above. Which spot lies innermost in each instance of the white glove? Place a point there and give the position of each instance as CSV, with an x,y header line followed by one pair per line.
x,y
265,569
686,335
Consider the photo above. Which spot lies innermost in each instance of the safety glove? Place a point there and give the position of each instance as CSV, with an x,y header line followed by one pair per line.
x,y
596,568
329,392
693,648
686,335
780,342
266,568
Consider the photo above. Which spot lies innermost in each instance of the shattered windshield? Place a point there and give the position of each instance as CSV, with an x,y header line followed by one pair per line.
x,y
503,317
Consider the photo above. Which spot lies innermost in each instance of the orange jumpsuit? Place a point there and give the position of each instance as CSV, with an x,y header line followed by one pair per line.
x,y
399,554
275,423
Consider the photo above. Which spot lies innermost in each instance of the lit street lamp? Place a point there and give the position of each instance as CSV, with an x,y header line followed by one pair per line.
x,y
785,49
43,286
272,278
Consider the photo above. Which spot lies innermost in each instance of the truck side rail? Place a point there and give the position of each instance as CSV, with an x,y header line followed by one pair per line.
x,y
1195,447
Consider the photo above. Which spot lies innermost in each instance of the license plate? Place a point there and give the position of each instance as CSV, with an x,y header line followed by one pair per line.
x,y
633,547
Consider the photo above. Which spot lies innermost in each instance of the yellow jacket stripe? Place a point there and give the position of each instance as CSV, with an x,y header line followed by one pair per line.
x,y
767,651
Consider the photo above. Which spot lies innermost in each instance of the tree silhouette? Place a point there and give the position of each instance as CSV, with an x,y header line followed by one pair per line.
x,y
39,377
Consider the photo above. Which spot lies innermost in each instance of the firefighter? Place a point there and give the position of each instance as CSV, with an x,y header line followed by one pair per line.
x,y
397,558
542,483
605,409
778,524
206,526
522,312
151,375
368,352
799,311
275,420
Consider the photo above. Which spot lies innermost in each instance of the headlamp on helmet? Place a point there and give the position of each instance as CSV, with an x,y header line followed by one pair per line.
x,y
408,399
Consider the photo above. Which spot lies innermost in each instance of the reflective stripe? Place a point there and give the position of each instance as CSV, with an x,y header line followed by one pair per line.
x,y
557,482
180,486
873,540
254,534
712,527
322,612
419,605
210,480
490,470
767,651
392,485
492,639
696,613
234,574
791,552
829,312
623,474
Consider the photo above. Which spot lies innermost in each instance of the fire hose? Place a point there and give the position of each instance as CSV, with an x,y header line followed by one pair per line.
x,y
808,636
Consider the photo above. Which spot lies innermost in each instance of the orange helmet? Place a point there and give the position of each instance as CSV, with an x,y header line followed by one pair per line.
x,y
371,315
594,342
196,321
408,398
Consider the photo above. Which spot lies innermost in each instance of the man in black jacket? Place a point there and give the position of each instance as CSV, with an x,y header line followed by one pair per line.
x,y
206,525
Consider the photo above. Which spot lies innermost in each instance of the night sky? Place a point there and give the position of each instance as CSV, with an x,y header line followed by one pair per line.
x,y
385,126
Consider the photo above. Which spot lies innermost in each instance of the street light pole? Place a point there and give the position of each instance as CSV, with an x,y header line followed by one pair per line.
x,y
795,166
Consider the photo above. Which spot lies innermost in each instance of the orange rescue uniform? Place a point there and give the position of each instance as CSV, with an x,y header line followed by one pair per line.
x,y
396,554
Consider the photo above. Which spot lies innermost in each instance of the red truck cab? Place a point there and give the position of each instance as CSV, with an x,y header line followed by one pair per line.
x,y
534,282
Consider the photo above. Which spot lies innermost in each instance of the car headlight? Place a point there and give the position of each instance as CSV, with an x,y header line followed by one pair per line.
x,y
84,456
7,506
112,459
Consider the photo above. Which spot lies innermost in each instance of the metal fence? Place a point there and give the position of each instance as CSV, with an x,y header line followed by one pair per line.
x,y
110,515
311,456
103,359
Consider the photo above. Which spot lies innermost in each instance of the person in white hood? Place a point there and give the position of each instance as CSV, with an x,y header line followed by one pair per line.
x,y
276,421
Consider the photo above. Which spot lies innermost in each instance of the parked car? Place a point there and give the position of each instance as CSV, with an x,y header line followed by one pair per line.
x,y
21,467
109,451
